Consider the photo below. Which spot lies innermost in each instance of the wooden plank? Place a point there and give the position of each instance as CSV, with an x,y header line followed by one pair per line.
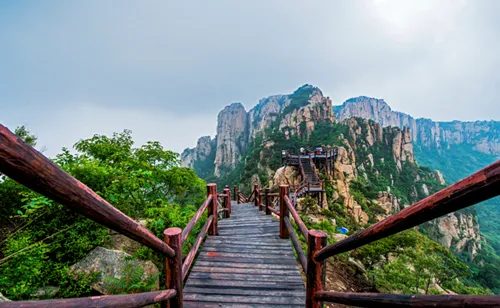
x,y
244,292
199,304
240,299
246,265
227,276
216,254
276,251
266,285
254,271
249,260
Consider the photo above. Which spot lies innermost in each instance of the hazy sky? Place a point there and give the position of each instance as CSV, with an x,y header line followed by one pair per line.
x,y
164,69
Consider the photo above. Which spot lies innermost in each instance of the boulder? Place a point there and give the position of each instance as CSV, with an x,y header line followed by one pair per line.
x,y
46,292
118,241
4,299
111,263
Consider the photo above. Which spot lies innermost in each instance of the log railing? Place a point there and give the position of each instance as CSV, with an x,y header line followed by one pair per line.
x,y
30,168
480,186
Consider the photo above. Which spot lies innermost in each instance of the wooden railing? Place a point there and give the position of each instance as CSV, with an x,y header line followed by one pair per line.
x,y
480,186
30,168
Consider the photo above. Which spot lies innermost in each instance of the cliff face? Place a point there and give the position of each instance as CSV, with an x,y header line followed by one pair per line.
x,y
231,136
236,128
484,136
302,120
203,150
458,231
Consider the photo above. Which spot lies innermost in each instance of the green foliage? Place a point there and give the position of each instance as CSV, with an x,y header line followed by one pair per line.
x,y
299,98
457,162
131,281
41,238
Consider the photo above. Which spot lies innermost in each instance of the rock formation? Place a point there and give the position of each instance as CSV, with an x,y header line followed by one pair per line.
x,y
483,136
111,263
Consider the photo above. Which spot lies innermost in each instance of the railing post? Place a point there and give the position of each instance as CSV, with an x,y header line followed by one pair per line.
x,y
256,192
260,200
283,212
315,270
268,202
173,266
212,208
227,199
235,191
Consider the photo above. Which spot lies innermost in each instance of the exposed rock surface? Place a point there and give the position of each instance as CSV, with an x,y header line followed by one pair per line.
x,y
302,121
231,136
284,176
458,231
203,150
4,299
111,263
484,136
236,128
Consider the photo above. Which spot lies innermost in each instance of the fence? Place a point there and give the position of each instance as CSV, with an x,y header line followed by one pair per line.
x,y
27,166
480,186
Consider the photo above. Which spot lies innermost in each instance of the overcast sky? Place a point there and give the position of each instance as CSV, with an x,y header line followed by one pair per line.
x,y
164,69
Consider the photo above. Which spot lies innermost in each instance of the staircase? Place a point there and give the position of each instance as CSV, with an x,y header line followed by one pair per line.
x,y
310,174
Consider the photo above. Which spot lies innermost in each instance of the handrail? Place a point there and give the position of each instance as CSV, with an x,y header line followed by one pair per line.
x,y
195,218
190,257
32,169
296,245
315,170
478,187
124,301
297,218
407,300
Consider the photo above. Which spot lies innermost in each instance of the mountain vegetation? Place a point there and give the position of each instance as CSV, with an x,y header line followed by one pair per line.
x,y
377,174
41,240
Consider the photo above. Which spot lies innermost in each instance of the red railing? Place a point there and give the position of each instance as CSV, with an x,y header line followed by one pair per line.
x,y
30,168
480,186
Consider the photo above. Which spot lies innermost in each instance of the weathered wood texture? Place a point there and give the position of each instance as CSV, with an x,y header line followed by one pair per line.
x,y
316,270
283,211
195,218
296,244
402,300
246,265
30,168
478,187
297,218
173,267
194,250
122,301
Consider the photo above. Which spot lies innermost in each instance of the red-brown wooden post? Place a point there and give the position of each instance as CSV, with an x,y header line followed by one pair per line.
x,y
235,191
260,199
212,207
283,212
268,202
173,267
315,270
227,200
256,194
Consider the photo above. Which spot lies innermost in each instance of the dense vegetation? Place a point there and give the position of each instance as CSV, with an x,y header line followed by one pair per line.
x,y
457,162
411,262
40,239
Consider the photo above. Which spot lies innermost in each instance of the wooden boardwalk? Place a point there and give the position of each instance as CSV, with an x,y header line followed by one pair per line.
x,y
246,265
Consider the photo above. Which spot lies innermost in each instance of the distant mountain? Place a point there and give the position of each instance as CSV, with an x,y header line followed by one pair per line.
x,y
456,148
482,136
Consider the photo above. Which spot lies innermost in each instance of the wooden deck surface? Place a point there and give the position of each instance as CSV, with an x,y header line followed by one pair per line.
x,y
246,265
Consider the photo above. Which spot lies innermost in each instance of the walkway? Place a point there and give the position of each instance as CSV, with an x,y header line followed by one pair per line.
x,y
246,265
